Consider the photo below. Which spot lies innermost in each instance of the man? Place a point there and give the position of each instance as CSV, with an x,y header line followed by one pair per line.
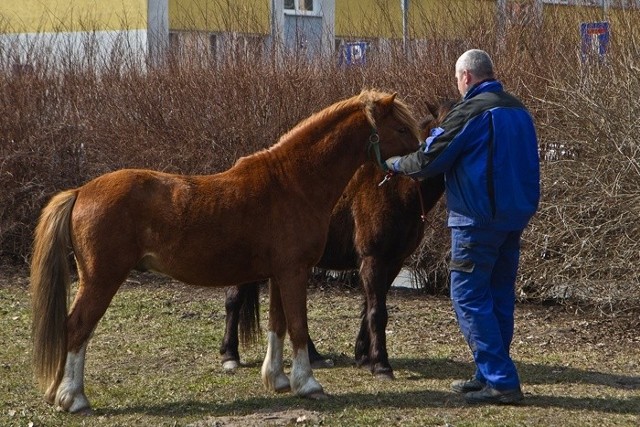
x,y
488,150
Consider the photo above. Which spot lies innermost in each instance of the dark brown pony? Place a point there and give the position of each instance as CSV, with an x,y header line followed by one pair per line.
x,y
265,218
374,229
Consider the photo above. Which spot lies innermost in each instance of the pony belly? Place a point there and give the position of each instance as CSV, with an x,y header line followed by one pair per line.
x,y
197,272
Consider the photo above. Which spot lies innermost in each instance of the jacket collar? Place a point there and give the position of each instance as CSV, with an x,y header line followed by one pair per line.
x,y
489,85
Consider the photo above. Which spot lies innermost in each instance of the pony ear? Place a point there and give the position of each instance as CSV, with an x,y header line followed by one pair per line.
x,y
433,109
386,104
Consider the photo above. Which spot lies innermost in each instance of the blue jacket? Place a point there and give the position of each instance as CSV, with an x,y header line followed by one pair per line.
x,y
488,150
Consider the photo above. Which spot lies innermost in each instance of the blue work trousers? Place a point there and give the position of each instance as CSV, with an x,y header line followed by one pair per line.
x,y
484,265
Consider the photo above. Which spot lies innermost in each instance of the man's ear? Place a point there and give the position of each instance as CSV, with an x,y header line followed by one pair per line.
x,y
466,75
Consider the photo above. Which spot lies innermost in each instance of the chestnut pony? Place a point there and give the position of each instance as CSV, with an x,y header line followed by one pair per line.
x,y
267,217
372,229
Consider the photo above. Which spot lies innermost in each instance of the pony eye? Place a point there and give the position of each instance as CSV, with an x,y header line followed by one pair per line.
x,y
403,129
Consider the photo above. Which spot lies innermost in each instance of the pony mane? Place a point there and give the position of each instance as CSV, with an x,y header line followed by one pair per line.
x,y
365,101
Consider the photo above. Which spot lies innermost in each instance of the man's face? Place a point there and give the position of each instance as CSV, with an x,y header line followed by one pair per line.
x,y
462,79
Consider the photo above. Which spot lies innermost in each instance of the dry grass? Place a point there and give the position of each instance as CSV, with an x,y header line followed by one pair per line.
x,y
154,361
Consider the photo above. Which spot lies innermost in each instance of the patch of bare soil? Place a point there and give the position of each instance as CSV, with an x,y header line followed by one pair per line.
x,y
285,417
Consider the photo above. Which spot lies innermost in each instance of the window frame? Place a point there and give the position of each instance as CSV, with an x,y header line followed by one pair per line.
x,y
297,11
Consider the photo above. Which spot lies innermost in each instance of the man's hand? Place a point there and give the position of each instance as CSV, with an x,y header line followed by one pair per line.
x,y
391,163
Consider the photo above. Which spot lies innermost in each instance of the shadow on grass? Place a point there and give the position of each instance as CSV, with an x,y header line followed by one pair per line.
x,y
442,369
363,401
529,373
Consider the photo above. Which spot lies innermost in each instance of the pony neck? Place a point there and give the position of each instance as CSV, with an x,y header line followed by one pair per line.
x,y
324,160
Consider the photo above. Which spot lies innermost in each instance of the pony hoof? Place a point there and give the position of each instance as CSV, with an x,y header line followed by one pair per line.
x,y
384,376
84,412
323,364
51,400
283,389
363,363
319,395
230,365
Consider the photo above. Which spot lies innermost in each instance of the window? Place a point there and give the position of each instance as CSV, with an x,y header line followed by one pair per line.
x,y
613,4
302,7
524,12
194,46
241,46
306,5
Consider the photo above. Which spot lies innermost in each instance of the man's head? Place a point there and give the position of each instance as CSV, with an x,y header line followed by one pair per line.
x,y
472,67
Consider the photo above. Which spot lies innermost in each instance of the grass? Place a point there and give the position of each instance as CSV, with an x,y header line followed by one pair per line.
x,y
154,361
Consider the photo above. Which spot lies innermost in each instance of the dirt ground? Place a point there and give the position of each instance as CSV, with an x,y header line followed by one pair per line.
x,y
285,417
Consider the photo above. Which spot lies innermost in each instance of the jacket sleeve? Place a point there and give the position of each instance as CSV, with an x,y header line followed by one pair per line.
x,y
437,153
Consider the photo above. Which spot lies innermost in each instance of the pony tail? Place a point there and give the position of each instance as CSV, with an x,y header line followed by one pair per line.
x,y
249,321
50,289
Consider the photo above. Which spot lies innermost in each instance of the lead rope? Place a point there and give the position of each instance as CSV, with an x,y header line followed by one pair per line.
x,y
374,142
423,215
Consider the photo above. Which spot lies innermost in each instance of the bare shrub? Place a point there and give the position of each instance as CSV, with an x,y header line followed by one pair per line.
x,y
62,127
585,239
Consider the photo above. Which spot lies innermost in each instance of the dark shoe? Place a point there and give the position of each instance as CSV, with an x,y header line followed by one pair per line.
x,y
493,396
465,386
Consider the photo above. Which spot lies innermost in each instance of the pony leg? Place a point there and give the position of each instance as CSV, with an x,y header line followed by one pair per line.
x,y
242,320
302,381
376,280
273,376
230,342
363,341
293,293
89,306
70,393
318,361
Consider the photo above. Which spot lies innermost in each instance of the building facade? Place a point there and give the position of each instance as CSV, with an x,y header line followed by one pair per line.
x,y
68,30
73,30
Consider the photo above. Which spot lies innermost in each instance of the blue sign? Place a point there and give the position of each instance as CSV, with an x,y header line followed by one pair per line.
x,y
353,53
595,39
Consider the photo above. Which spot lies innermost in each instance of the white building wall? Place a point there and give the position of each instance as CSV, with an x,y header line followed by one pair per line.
x,y
78,48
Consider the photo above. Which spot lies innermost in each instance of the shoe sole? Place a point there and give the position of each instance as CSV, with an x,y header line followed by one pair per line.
x,y
463,390
502,400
